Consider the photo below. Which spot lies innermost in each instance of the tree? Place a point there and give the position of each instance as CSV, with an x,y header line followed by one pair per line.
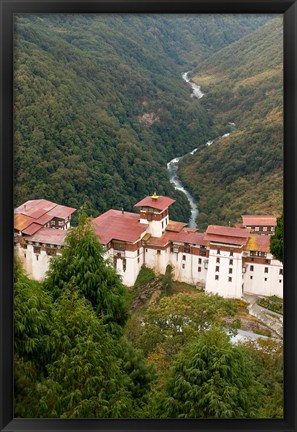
x,y
82,265
277,240
174,321
32,318
84,376
267,356
211,378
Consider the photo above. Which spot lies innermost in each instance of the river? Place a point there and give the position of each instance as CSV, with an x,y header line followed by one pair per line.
x,y
196,89
172,166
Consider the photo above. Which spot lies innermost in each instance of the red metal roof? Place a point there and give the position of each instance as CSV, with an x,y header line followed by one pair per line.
x,y
227,231
259,243
44,219
190,237
258,220
40,206
21,222
115,225
49,236
32,229
175,226
40,212
161,203
226,235
60,211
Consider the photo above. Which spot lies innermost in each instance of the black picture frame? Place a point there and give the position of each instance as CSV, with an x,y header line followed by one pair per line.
x,y
289,11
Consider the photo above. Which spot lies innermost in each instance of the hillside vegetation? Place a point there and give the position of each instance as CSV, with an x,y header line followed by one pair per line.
x,y
100,106
241,173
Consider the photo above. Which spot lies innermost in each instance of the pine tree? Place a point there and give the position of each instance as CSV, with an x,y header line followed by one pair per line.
x,y
209,379
82,265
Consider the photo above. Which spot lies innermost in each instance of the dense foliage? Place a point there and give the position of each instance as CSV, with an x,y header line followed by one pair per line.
x,y
277,240
67,361
100,106
241,173
210,378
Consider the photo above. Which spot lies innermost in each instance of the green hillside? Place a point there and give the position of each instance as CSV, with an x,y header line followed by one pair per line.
x,y
241,173
100,106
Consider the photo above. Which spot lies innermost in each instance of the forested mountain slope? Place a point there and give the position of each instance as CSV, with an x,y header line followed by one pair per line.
x,y
241,173
100,106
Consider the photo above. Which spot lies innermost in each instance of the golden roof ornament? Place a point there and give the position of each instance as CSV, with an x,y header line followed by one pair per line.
x,y
155,196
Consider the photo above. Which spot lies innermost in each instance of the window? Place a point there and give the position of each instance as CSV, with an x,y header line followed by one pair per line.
x,y
231,262
37,256
264,228
251,268
218,260
272,228
219,251
267,261
162,224
230,270
230,279
183,266
266,270
138,252
199,269
25,255
231,253
265,279
216,277
187,249
199,261
251,277
280,271
171,250
36,250
146,250
158,252
256,228
217,268
184,257
280,281
138,260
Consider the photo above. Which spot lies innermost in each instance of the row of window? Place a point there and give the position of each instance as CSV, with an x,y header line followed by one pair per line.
x,y
229,278
266,270
263,228
218,269
265,279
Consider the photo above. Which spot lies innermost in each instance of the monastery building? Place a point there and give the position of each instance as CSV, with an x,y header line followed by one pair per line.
x,y
224,260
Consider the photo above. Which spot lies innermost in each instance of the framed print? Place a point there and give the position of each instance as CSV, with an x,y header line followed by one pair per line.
x,y
148,215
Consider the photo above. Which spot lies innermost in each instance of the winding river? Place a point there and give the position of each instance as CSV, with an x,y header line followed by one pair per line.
x,y
172,166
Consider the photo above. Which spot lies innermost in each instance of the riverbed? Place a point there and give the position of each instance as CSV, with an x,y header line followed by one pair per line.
x,y
172,166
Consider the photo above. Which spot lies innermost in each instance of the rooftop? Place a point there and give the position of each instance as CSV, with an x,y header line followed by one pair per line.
x,y
36,213
258,220
259,243
175,226
226,235
115,225
48,236
159,203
